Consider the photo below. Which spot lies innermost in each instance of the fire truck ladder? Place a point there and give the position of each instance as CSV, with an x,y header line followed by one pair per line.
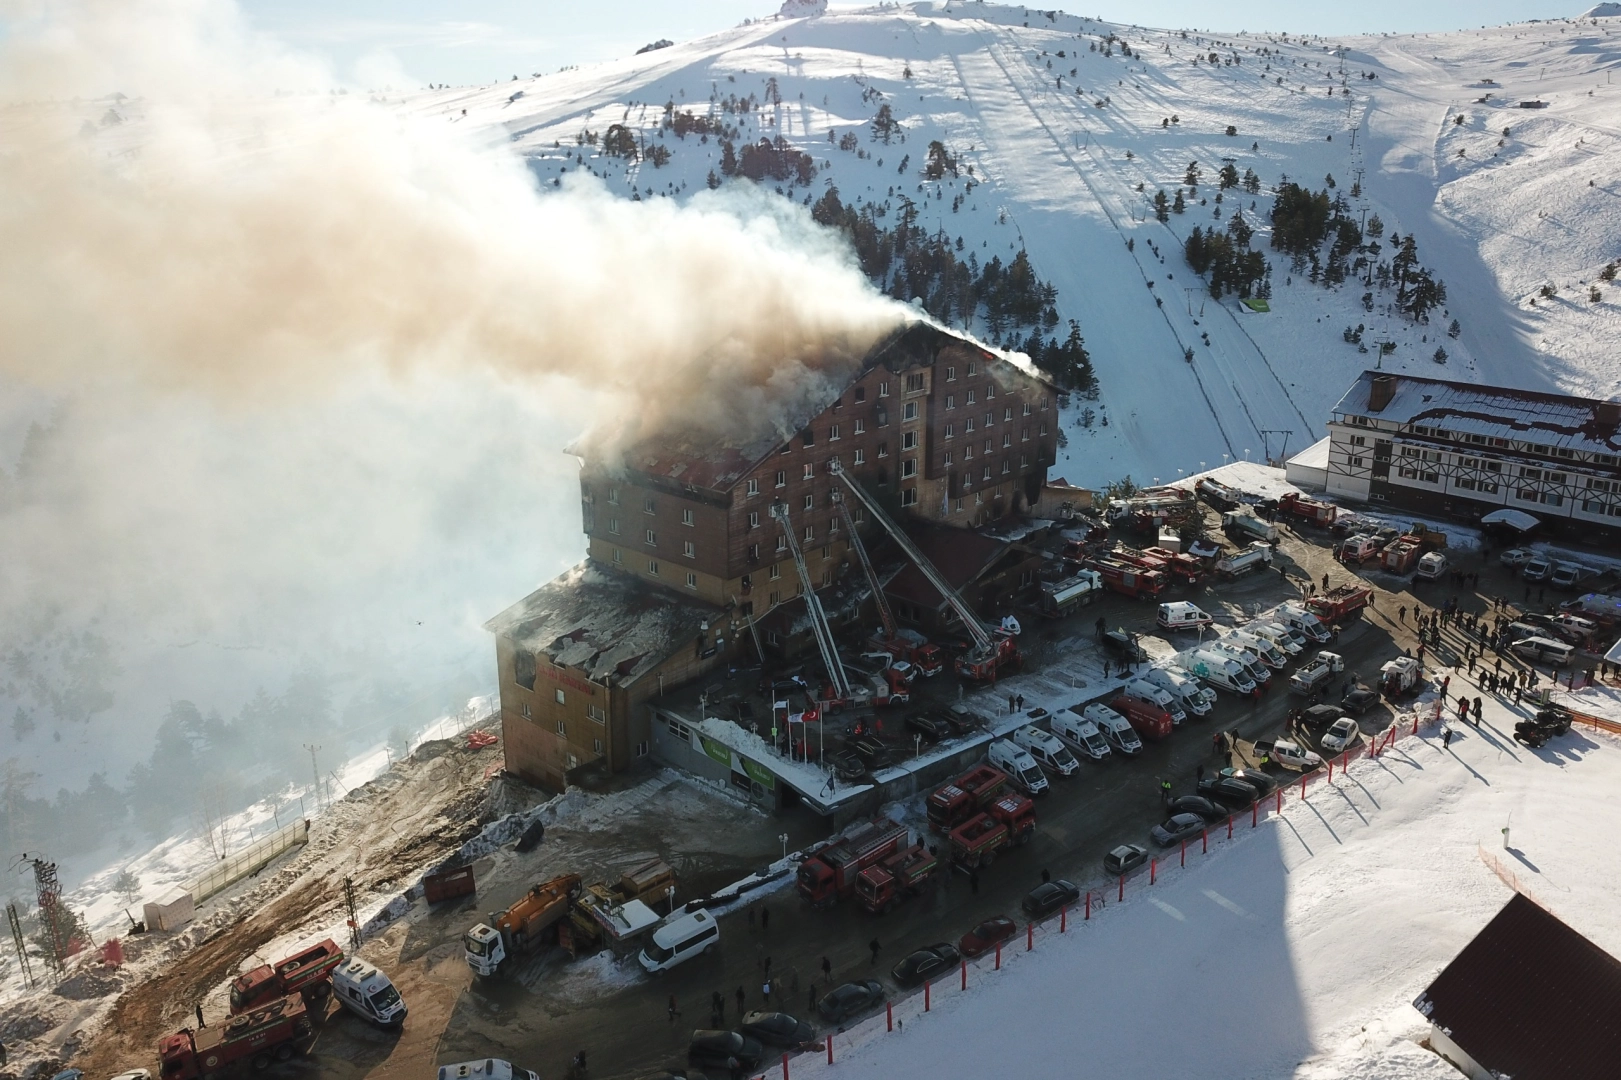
x,y
813,607
983,645
891,628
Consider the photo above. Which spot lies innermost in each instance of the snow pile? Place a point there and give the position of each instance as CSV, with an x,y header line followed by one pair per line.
x,y
802,9
1300,945
1601,11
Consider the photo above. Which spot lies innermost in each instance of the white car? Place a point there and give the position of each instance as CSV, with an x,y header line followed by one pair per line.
x,y
1514,558
1292,753
1341,734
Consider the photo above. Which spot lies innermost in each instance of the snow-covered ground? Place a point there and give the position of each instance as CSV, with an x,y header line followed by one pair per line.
x,y
1297,948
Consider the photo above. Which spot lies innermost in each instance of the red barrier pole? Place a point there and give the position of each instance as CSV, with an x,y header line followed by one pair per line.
x,y
1153,870
1330,770
1415,722
1255,813
1089,904
889,1016
925,1001
785,1067
1345,761
1184,851
965,974
1302,785
1204,841
1029,936
1229,826
1063,919
1122,886
1280,798
830,1049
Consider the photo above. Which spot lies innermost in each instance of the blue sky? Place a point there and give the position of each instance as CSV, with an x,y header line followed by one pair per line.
x,y
413,42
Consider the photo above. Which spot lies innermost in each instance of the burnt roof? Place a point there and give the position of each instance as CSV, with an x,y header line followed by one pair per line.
x,y
1590,425
611,626
700,459
1531,998
961,556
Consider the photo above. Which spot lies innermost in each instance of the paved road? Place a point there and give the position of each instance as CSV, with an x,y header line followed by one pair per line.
x,y
626,1030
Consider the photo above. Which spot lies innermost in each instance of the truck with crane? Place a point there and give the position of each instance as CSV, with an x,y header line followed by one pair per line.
x,y
523,927
274,1030
839,693
987,655
902,644
831,870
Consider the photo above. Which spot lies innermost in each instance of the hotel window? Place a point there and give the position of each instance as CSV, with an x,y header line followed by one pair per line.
x,y
909,497
909,440
970,398
861,427
861,457
525,708
1007,466
947,461
808,438
1007,439
908,468
909,412
810,472
810,533
692,581
559,696
1027,408
1007,416
752,488
990,391
596,744
754,519
968,427
987,473
613,526
861,393
782,478
951,432
1044,427
648,507
914,383
971,369
686,518
883,449
883,389
776,574
617,559
782,545
968,452
689,549
595,712
987,446
613,496
653,567
833,433
562,728
951,401
1043,402
652,538
951,374
810,502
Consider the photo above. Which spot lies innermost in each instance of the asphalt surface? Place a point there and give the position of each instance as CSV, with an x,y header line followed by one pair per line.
x,y
626,1030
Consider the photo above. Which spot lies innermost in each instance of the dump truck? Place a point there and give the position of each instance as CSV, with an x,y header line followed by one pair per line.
x,y
1427,538
1310,511
1339,603
523,927
956,802
1009,820
897,878
272,1031
1257,555
831,871
307,973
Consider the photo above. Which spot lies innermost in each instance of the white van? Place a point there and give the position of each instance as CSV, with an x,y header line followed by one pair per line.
x,y
681,938
1115,729
1080,734
1019,765
1223,672
1277,635
1150,691
1182,615
1304,621
1269,654
1258,671
487,1069
1431,567
361,988
1047,749
1542,650
1196,699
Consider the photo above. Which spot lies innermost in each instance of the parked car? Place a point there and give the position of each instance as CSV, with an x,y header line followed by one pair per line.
x,y
1229,792
1573,628
1514,558
1536,569
1125,858
1124,646
1358,700
1567,575
987,935
1197,804
1340,734
1320,717
725,1050
1287,752
1255,778
872,751
848,765
931,728
1177,828
1049,896
843,1002
777,1029
925,963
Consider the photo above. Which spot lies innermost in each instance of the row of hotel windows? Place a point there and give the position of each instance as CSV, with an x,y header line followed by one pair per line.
x,y
654,570
1492,441
1545,498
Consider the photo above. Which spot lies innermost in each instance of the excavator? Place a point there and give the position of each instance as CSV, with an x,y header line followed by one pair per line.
x,y
991,652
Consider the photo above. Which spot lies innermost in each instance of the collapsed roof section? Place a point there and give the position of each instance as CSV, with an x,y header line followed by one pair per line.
x,y
699,460
606,624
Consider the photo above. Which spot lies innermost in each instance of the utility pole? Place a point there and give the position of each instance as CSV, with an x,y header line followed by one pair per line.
x,y
354,917
315,773
22,946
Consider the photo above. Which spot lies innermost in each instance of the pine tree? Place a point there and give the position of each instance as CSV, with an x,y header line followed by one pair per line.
x,y
1179,205
1160,206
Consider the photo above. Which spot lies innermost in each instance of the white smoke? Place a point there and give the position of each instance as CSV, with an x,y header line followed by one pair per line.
x,y
305,365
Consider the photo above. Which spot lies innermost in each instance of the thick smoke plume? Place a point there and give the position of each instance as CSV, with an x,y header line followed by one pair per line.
x,y
216,237
284,376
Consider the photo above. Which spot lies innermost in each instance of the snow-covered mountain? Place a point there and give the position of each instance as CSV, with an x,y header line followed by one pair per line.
x,y
1490,148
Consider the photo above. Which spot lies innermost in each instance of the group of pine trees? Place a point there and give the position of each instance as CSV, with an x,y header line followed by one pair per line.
x,y
770,159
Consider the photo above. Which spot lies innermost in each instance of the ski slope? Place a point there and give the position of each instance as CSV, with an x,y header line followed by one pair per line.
x,y
1056,173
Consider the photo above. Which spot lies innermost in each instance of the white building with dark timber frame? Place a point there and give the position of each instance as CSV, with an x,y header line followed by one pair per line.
x,y
1458,450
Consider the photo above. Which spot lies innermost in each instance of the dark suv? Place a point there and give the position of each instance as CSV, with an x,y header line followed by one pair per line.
x,y
725,1049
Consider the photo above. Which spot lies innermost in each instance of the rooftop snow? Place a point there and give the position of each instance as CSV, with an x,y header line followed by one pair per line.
x,y
608,625
1555,420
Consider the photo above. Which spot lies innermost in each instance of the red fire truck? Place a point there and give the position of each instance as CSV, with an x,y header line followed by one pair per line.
x,y
831,871
273,1031
307,973
1009,820
902,875
964,797
1340,602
